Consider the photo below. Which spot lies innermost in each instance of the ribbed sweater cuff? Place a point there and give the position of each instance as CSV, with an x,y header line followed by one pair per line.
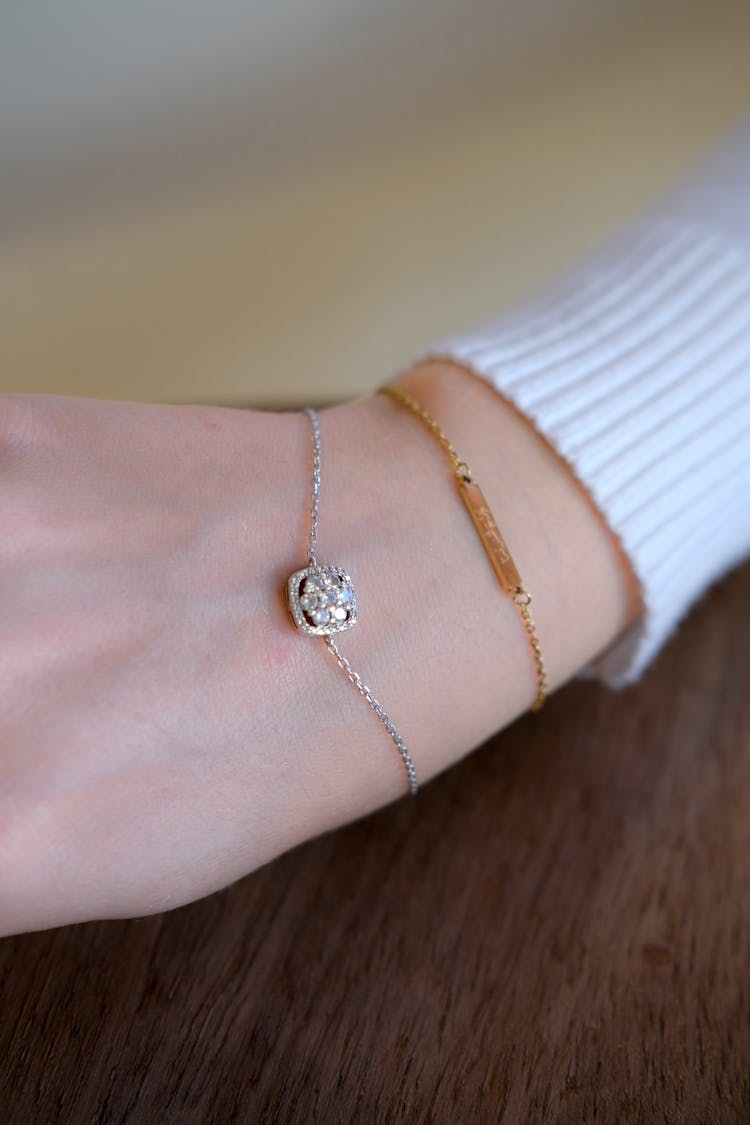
x,y
637,369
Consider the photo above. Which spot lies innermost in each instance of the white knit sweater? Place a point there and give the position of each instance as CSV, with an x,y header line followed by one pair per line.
x,y
636,367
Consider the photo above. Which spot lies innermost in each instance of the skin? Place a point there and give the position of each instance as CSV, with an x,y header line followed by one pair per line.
x,y
164,730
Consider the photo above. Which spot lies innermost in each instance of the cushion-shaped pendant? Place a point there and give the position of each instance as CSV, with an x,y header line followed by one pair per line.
x,y
321,600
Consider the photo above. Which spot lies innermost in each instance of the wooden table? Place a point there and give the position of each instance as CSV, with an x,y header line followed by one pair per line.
x,y
558,930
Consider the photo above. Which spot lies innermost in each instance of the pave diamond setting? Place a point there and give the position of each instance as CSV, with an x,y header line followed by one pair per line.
x,y
322,600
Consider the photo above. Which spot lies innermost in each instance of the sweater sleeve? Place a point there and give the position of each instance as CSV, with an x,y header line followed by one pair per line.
x,y
636,367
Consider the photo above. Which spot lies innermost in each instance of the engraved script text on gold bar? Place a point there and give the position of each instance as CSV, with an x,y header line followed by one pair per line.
x,y
489,533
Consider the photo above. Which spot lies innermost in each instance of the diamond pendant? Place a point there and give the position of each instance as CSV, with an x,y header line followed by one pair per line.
x,y
321,600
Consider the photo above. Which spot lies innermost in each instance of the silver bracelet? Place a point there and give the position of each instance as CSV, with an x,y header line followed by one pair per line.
x,y
322,601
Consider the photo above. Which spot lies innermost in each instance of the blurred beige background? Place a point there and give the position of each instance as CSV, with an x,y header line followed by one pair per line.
x,y
253,203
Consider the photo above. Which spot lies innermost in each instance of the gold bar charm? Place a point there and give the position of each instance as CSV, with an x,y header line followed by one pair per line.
x,y
489,533
494,545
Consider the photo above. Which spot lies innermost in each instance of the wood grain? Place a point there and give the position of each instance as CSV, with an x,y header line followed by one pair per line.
x,y
557,930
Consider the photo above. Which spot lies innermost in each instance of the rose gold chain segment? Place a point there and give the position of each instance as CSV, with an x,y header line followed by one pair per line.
x,y
489,533
536,651
462,469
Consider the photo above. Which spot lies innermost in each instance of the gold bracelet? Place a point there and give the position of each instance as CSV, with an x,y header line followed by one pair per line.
x,y
489,533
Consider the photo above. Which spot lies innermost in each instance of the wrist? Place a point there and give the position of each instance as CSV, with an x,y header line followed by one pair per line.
x,y
437,641
432,589
553,526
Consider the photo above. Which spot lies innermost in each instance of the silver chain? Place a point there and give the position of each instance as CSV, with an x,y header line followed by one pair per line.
x,y
314,422
385,719
344,664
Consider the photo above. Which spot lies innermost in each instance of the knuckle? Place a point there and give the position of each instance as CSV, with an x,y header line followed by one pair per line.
x,y
30,422
17,422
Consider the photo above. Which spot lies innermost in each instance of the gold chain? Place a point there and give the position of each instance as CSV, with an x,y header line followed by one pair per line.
x,y
492,540
461,467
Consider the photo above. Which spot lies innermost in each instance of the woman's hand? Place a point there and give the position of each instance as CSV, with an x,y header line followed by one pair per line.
x,y
163,728
145,660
